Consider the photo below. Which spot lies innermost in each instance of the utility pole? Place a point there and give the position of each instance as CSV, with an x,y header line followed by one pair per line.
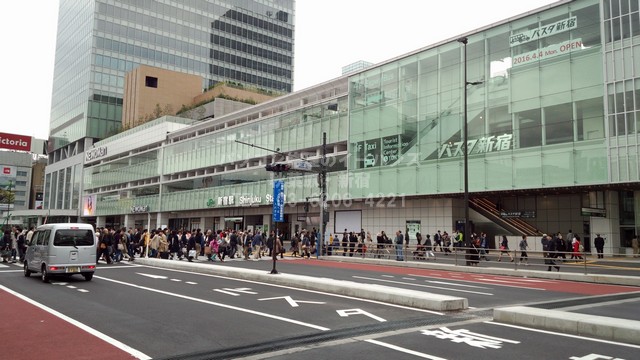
x,y
324,212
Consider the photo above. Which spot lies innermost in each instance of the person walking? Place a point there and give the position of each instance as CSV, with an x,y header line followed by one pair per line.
x,y
598,242
549,248
504,248
399,245
524,257
575,247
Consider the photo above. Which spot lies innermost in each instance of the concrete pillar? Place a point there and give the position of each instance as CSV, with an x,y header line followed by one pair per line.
x,y
162,220
100,221
127,221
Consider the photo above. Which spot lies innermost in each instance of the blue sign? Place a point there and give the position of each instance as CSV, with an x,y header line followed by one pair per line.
x,y
278,201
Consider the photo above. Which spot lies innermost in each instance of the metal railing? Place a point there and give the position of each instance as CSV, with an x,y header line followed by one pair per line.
x,y
509,258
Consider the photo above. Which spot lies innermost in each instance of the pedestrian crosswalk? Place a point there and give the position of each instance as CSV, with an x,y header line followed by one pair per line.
x,y
9,265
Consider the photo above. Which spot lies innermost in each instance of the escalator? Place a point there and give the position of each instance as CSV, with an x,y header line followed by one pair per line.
x,y
489,209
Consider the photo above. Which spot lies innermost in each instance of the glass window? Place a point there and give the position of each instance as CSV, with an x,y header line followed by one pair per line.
x,y
529,126
558,123
73,237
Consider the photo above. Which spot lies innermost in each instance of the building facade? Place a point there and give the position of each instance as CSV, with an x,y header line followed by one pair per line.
x,y
552,143
98,41
22,160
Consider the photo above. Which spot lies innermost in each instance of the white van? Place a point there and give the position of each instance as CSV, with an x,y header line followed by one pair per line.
x,y
61,249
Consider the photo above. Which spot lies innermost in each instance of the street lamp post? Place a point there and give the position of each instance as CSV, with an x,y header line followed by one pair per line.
x,y
465,141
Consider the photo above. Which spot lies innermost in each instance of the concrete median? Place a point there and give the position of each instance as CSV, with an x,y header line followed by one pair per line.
x,y
387,294
599,327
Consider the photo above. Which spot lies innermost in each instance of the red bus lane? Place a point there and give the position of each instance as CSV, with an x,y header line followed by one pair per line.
x,y
561,286
29,332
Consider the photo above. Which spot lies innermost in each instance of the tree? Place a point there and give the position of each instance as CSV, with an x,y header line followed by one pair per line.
x,y
6,197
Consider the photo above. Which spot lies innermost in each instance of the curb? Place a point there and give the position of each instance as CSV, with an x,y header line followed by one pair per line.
x,y
375,292
600,327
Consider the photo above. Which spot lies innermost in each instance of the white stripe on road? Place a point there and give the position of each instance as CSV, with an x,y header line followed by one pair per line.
x,y
280,318
404,350
262,283
427,286
126,348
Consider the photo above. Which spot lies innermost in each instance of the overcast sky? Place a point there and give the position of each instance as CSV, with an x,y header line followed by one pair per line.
x,y
329,35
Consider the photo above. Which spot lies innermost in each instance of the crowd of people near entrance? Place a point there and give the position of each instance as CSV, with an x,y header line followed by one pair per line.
x,y
115,245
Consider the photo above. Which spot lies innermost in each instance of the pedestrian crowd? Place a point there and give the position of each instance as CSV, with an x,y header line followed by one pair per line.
x,y
115,245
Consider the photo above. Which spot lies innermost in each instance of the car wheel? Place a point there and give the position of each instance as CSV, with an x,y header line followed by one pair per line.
x,y
44,274
27,272
88,276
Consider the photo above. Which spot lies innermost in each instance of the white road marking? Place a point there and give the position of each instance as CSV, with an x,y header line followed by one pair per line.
x,y
349,312
456,284
126,348
236,292
404,350
407,278
83,290
153,276
71,287
176,280
388,276
303,290
191,283
427,286
581,337
249,311
293,303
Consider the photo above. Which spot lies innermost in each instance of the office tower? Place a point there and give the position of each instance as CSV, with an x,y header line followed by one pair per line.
x,y
241,41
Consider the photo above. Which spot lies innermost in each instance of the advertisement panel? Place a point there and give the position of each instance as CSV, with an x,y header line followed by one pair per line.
x,y
15,142
278,201
8,176
89,205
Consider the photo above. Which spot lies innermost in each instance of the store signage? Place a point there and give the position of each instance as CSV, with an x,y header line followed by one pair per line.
x,y
278,201
381,151
140,209
95,153
15,142
543,31
518,214
485,144
548,52
242,200
594,212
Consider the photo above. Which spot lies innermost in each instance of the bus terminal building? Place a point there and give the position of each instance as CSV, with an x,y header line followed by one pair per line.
x,y
553,119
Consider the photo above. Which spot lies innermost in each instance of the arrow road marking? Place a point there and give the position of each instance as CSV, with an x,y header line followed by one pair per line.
x,y
233,292
293,303
153,276
348,312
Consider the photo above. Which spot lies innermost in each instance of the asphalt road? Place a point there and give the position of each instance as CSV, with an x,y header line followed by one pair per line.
x,y
157,313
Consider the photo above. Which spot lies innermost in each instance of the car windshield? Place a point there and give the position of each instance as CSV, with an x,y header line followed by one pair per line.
x,y
73,237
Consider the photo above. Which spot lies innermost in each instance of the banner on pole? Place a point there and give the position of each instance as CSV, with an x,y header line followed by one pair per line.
x,y
278,201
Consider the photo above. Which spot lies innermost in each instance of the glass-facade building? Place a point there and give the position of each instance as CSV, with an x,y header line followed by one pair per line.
x,y
553,118
99,41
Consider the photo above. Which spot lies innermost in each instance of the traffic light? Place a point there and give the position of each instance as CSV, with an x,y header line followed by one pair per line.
x,y
278,167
